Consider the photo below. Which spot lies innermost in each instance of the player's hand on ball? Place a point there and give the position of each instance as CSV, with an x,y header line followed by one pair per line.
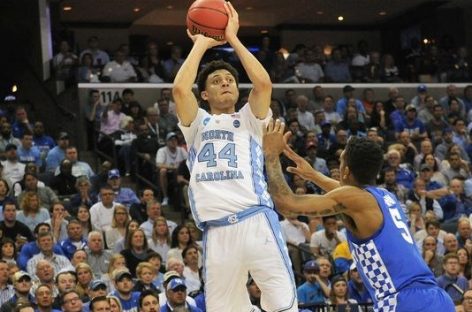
x,y
233,21
272,141
210,42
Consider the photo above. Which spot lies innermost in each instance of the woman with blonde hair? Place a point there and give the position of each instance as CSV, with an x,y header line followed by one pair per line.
x,y
160,241
118,226
84,277
31,212
117,261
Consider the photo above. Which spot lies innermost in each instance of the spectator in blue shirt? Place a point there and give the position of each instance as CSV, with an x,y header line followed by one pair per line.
x,y
454,284
27,153
356,288
21,123
42,141
124,286
57,154
310,292
413,126
74,240
123,195
341,104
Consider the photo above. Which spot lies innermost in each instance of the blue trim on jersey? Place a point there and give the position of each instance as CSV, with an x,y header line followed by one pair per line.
x,y
192,154
236,217
274,225
257,166
193,209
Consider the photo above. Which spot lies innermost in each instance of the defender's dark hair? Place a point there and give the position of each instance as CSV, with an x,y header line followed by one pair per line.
x,y
212,67
364,158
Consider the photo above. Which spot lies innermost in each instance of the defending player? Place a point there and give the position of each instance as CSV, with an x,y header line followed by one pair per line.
x,y
387,259
228,193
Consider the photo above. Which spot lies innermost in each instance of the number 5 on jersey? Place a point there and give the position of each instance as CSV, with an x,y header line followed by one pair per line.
x,y
208,155
400,224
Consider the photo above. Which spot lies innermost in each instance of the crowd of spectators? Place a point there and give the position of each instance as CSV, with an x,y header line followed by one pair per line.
x,y
70,236
432,62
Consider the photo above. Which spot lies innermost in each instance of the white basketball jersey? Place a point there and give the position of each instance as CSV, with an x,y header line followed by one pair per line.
x,y
226,163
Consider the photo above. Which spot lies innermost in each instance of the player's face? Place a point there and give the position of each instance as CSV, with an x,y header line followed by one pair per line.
x,y
221,91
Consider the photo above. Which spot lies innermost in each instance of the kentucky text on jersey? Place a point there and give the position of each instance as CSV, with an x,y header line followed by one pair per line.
x,y
218,135
219,175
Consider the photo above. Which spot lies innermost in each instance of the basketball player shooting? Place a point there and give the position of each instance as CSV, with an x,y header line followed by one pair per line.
x,y
228,192
387,259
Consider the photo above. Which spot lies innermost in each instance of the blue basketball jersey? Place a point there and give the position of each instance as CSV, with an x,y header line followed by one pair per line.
x,y
389,261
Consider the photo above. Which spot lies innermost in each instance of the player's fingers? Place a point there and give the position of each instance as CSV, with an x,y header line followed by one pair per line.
x,y
282,128
233,11
291,169
270,126
277,125
189,34
287,137
229,9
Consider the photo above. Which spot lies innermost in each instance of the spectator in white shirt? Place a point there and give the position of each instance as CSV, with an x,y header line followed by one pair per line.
x,y
13,170
119,70
324,241
101,214
168,159
191,270
305,118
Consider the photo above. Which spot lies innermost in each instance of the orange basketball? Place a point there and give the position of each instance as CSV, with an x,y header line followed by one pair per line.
x,y
208,17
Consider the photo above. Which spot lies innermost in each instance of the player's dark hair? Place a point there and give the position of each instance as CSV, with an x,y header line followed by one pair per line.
x,y
212,67
364,158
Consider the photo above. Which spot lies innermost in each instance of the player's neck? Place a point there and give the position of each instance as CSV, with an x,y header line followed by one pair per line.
x,y
219,111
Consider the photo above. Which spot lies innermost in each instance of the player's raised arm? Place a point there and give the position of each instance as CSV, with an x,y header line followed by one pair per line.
x,y
259,98
305,170
185,101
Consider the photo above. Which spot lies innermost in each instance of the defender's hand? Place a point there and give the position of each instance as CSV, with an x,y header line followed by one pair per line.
x,y
272,141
